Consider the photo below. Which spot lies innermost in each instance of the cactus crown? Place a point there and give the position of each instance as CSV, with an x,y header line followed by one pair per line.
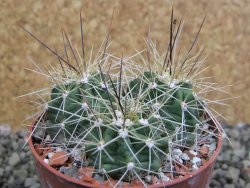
x,y
126,123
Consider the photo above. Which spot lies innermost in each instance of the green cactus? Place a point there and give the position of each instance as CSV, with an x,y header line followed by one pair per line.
x,y
123,143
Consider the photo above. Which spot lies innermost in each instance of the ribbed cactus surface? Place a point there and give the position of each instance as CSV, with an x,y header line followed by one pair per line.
x,y
125,129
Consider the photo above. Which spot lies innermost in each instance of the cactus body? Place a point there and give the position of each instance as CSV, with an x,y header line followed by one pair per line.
x,y
88,116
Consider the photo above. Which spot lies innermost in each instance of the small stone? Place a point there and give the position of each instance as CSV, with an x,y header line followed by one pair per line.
x,y
196,161
235,133
246,163
5,130
35,185
47,139
22,133
240,152
14,146
29,181
164,177
177,158
184,157
211,140
205,126
195,167
46,161
240,125
11,180
20,174
1,172
177,152
58,159
180,161
224,167
50,154
193,153
70,171
14,159
218,173
58,149
39,131
232,175
148,179
77,154
212,147
248,185
215,183
99,178
2,151
241,182
229,186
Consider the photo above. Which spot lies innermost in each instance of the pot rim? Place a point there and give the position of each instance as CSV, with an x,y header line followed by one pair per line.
x,y
75,181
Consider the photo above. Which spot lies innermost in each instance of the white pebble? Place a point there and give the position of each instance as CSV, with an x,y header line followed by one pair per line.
x,y
164,177
169,158
58,149
196,161
46,161
148,178
180,161
184,157
195,167
177,152
50,154
211,139
177,158
212,147
76,154
207,145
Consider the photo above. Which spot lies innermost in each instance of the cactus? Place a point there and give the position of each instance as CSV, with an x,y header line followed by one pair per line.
x,y
126,123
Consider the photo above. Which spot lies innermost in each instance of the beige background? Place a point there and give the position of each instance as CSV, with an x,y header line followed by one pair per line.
x,y
226,34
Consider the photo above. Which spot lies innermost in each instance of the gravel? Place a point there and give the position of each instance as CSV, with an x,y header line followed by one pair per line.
x,y
232,169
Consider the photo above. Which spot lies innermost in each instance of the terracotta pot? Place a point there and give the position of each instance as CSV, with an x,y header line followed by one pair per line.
x,y
51,178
